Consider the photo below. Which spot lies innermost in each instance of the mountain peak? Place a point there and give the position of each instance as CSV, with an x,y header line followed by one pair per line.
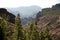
x,y
25,11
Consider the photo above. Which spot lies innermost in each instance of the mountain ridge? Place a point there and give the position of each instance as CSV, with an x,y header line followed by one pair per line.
x,y
25,11
50,18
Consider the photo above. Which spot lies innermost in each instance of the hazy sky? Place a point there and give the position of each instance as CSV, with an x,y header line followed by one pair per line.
x,y
19,3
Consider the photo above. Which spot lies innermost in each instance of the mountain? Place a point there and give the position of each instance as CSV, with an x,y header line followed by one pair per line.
x,y
50,18
7,15
27,20
56,6
25,11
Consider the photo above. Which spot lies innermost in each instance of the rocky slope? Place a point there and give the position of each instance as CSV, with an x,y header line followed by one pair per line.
x,y
7,15
50,19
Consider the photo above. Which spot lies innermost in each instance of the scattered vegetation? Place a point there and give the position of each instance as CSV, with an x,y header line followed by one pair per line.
x,y
16,31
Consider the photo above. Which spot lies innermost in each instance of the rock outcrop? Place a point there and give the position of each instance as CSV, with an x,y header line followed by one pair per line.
x,y
7,15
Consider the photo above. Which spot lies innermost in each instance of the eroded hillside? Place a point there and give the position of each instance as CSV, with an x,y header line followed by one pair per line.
x,y
51,19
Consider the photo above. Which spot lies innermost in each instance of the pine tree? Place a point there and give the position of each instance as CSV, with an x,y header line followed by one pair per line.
x,y
46,35
31,31
1,30
4,28
36,32
26,33
10,33
19,28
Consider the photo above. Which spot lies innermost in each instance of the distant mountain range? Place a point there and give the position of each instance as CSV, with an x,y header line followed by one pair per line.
x,y
25,11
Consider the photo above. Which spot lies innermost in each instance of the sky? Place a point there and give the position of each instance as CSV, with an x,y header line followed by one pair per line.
x,y
21,3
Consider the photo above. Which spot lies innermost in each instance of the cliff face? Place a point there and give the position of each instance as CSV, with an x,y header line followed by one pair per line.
x,y
6,15
51,19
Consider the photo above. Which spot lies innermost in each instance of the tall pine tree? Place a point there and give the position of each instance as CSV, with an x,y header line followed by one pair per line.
x,y
19,27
